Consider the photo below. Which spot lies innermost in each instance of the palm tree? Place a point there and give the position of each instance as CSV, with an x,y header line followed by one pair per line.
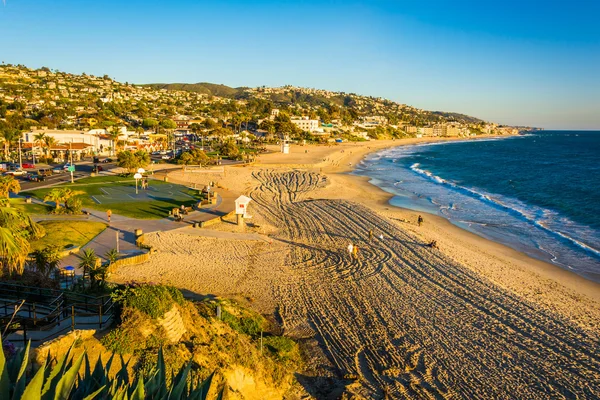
x,y
15,230
55,195
88,262
8,184
114,135
111,256
47,260
49,141
39,140
9,137
61,195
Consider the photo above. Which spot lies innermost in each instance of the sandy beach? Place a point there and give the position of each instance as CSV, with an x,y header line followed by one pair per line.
x,y
471,319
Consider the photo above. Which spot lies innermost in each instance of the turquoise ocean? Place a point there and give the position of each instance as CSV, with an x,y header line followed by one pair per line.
x,y
538,193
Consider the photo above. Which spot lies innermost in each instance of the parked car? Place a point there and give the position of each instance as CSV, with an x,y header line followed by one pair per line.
x,y
107,160
97,168
16,172
45,171
66,166
36,178
28,165
58,170
166,157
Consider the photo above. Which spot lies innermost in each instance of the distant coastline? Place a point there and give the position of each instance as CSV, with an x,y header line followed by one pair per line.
x,y
410,198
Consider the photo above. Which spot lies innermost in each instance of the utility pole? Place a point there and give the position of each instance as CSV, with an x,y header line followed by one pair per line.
x,y
117,235
71,154
20,158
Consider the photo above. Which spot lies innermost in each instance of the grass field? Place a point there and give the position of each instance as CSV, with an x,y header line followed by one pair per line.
x,y
118,194
65,233
20,204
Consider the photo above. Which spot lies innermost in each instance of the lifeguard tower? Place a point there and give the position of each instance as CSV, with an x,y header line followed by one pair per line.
x,y
241,208
285,146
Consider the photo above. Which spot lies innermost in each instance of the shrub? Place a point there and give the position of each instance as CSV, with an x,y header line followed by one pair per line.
x,y
152,300
250,325
119,341
74,205
283,348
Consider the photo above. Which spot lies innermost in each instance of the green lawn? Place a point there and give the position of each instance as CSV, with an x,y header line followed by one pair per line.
x,y
166,196
20,204
65,233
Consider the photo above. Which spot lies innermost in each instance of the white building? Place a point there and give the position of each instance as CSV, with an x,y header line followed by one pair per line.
x,y
97,140
306,124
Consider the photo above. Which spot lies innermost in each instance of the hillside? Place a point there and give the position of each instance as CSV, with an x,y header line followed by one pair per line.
x,y
213,89
61,100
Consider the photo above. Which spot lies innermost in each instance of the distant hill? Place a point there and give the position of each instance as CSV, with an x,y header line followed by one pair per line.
x,y
201,87
452,116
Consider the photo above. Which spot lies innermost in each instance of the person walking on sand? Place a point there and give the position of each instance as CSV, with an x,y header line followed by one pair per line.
x,y
355,252
370,235
108,214
350,250
419,220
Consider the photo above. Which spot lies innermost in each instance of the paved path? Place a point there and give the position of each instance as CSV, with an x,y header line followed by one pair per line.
x,y
124,228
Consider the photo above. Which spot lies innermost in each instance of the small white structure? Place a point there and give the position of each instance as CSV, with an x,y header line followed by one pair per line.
x,y
241,205
285,147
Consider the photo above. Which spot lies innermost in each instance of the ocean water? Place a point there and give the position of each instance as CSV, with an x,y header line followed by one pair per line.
x,y
538,193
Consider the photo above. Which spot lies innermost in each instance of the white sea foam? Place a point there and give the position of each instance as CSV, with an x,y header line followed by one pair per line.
x,y
534,215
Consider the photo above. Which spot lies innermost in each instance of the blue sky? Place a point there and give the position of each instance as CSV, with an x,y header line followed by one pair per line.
x,y
522,62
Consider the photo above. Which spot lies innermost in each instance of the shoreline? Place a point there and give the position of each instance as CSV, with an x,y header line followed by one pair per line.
x,y
543,268
396,310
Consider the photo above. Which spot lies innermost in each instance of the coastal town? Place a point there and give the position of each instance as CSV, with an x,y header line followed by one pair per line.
x,y
87,115
218,236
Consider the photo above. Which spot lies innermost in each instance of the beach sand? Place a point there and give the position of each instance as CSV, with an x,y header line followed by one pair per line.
x,y
471,319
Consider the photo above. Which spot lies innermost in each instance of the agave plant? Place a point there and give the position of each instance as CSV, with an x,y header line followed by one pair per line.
x,y
63,380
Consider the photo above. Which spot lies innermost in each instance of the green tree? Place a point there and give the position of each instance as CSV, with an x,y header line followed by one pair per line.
x,y
89,259
16,229
61,195
132,161
168,124
47,260
38,140
9,136
230,149
149,123
49,142
8,184
193,157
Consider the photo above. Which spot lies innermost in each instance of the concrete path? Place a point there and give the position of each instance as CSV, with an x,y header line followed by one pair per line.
x,y
121,229
124,228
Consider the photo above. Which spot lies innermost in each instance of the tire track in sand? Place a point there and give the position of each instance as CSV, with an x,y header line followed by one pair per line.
x,y
409,322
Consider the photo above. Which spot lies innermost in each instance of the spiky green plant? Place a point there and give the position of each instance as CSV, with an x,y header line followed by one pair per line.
x,y
64,381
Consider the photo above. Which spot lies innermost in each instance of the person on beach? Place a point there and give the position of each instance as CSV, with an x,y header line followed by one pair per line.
x,y
108,214
370,235
419,220
355,252
350,250
381,236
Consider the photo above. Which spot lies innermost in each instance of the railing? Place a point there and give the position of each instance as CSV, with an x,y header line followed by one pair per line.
x,y
38,310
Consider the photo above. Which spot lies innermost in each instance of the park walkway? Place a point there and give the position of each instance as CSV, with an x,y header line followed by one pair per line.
x,y
123,228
